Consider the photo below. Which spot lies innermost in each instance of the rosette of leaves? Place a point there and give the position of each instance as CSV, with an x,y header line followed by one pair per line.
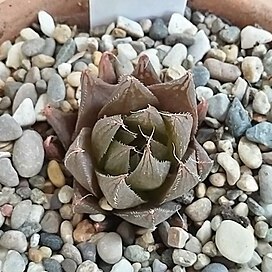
x,y
134,143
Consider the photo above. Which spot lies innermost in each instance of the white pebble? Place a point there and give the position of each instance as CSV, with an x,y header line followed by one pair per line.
x,y
131,27
47,23
97,217
64,69
179,24
247,183
260,103
175,56
15,56
252,68
29,34
40,106
74,79
25,113
127,50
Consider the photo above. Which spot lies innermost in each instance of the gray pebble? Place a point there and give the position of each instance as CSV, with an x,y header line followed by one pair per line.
x,y
33,75
71,252
49,47
88,251
158,266
146,269
184,38
8,175
69,265
20,214
28,154
109,248
237,119
148,42
37,196
14,239
27,90
87,266
255,207
267,62
51,222
265,183
122,265
230,34
11,87
261,133
9,129
47,73
201,75
199,210
51,265
218,106
80,66
52,241
215,267
56,89
35,267
33,47
41,86
158,30
13,262
217,25
24,192
197,17
29,228
66,52
5,103
20,75
183,257
136,253
4,71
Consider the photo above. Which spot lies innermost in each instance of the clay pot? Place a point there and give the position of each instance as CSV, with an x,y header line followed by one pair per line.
x,y
17,14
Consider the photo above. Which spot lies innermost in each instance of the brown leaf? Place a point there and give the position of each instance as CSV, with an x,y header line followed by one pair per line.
x,y
145,72
63,124
148,216
79,162
117,192
95,93
53,148
129,95
106,68
177,96
202,109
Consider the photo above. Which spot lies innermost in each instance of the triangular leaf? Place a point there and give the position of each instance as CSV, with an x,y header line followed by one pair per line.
x,y
145,72
160,151
78,161
130,95
148,119
149,173
117,192
106,68
179,127
117,158
147,216
177,96
103,133
95,93
125,136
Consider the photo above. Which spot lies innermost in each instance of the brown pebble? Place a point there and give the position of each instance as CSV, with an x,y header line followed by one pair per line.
x,y
55,174
35,255
83,231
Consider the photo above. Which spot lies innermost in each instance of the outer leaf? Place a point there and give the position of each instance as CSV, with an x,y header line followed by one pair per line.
x,y
117,158
177,96
145,72
103,133
150,173
117,192
204,163
147,216
185,179
84,202
160,151
62,123
95,93
130,95
106,68
179,127
148,119
79,162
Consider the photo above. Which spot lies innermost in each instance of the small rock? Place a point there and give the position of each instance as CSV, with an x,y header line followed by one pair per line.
x,y
255,207
184,38
199,210
87,266
237,119
267,262
215,267
265,183
33,267
252,68
260,229
260,103
20,213
66,52
28,154
158,266
74,79
122,265
193,245
136,253
25,114
42,61
52,265
51,222
201,75
69,265
33,75
158,30
52,241
250,36
49,48
235,242
114,241
55,174
230,34
218,106
65,194
231,167
14,262
14,239
40,106
267,62
200,47
64,69
222,71
216,53
175,56
33,47
204,234
249,153
29,34
247,183
15,56
62,33
127,50
4,71
179,24
88,251
71,252
203,93
260,133
131,27
183,257
177,237
56,89
84,231
9,176
46,23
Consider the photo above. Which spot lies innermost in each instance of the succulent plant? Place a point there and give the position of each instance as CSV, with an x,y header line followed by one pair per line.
x,y
134,143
